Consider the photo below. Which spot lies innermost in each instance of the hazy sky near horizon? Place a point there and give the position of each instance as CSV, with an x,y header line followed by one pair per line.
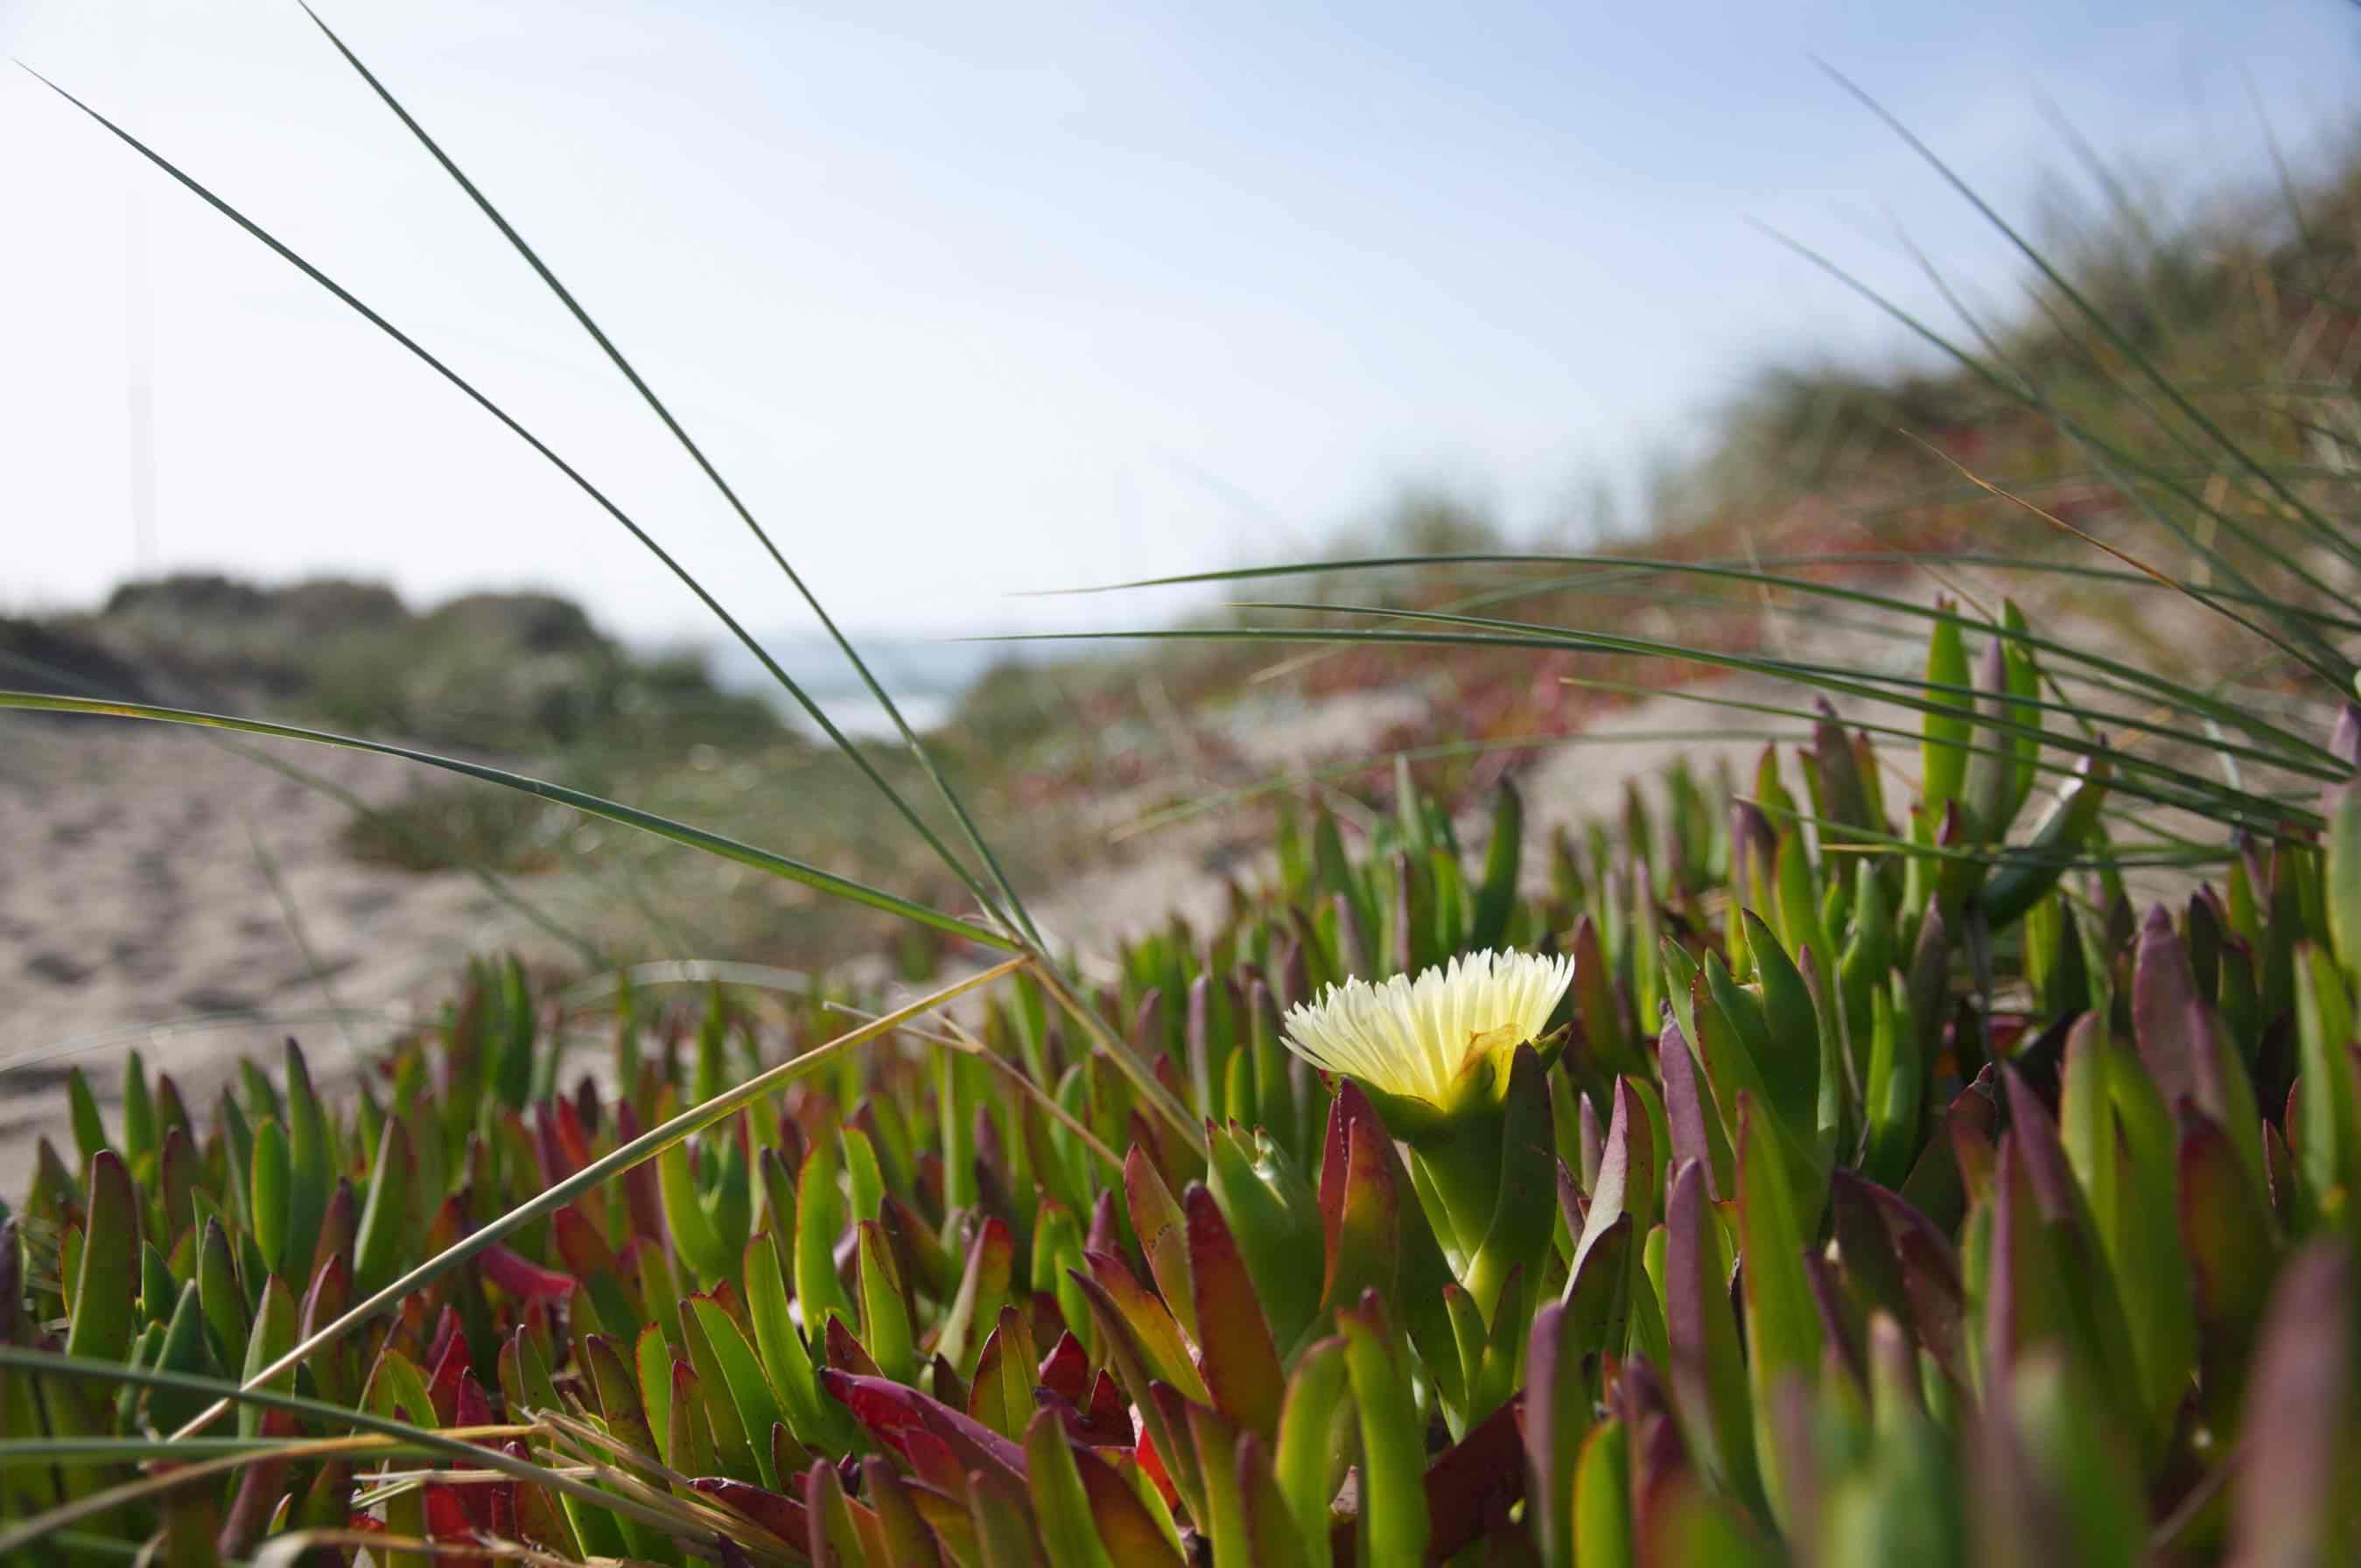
x,y
971,301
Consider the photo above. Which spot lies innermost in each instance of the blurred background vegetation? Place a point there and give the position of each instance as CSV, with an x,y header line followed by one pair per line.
x,y
2246,298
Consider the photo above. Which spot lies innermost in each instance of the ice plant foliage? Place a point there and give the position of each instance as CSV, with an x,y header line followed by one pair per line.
x,y
1762,1186
1424,1038
1794,1179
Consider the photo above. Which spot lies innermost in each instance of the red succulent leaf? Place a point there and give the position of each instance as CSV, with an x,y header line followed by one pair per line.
x,y
447,1517
523,1278
1065,1370
892,1412
1239,1359
585,1252
446,1329
451,1368
781,1515
845,1353
1152,1462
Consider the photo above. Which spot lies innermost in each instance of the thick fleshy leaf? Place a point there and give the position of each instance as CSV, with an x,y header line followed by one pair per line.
x,y
835,1539
385,1219
893,1413
2059,1479
1695,1125
525,1279
1627,1165
886,1331
2293,1493
1306,1460
697,1241
1061,1508
1473,1485
1360,1196
1163,1234
311,1173
1706,1370
1394,1520
984,1288
749,1392
1001,1397
781,1515
1275,1217
1216,1439
2328,1139
1602,1499
1899,1261
1238,1359
107,1280
820,1220
1165,1353
2232,1245
1557,1421
1783,1333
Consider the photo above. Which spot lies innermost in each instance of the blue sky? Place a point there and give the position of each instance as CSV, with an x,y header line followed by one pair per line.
x,y
971,301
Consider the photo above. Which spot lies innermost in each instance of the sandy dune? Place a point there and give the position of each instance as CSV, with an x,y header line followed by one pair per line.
x,y
138,911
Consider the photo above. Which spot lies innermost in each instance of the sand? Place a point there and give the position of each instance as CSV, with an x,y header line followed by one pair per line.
x,y
139,912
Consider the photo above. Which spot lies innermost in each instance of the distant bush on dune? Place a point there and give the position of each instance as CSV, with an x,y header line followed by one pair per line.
x,y
512,671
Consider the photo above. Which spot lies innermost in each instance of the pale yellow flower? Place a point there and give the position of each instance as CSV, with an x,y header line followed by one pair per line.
x,y
1422,1038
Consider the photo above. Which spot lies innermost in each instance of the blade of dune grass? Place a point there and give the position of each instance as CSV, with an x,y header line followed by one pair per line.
x,y
2158,578
580,481
595,805
491,881
2109,463
2329,534
445,1445
696,453
689,971
646,1146
1866,840
132,1034
966,1044
16,1450
1854,681
2258,727
1337,773
157,1481
268,864
2324,660
1903,691
1806,717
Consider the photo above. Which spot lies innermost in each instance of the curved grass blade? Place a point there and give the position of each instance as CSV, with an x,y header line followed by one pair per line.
x,y
2115,335
1851,682
2030,393
1901,690
2083,437
133,1034
646,1146
1971,747
696,453
492,882
595,805
443,1444
2227,713
1338,772
580,481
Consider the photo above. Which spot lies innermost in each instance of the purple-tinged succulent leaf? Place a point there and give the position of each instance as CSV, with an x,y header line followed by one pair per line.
x,y
1707,1371
891,1412
1239,1360
1360,1202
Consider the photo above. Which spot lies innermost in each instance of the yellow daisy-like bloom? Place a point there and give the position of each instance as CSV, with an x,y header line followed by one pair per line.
x,y
1421,1039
